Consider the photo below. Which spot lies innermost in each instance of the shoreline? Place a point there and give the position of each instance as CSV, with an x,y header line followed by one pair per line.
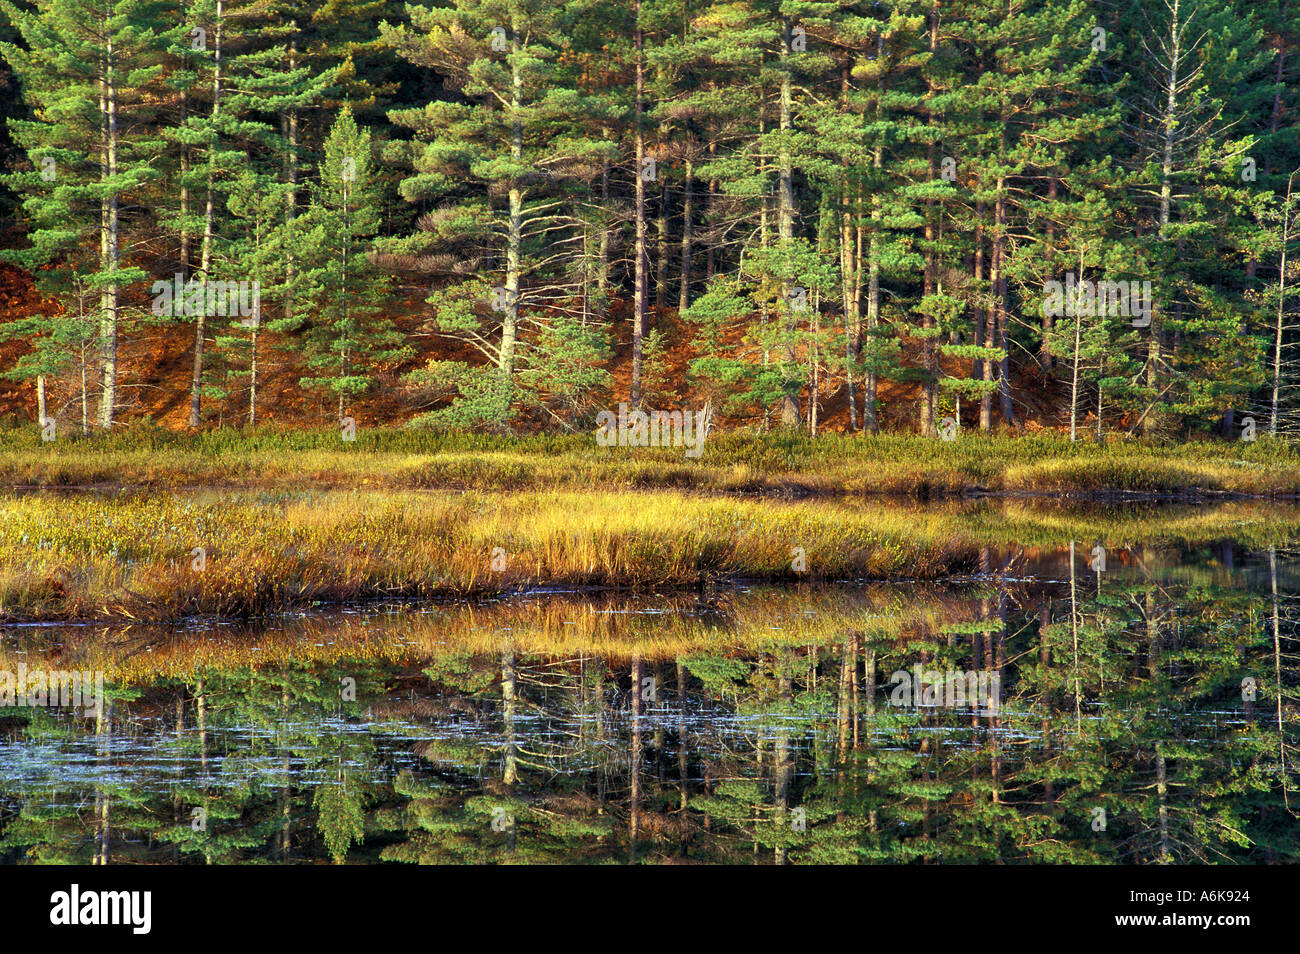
x,y
169,556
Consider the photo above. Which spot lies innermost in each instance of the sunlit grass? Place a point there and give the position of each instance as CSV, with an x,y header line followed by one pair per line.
x,y
730,463
161,555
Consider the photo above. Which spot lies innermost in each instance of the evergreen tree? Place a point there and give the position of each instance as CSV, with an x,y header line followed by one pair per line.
x,y
90,70
345,338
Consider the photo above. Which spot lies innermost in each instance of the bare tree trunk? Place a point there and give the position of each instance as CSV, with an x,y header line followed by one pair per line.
x,y
1045,346
109,241
926,423
870,419
252,379
1281,305
814,358
785,229
602,247
1169,122
688,209
289,128
661,245
85,383
209,209
1000,302
514,237
852,319
710,265
639,287
1074,380
983,329
185,171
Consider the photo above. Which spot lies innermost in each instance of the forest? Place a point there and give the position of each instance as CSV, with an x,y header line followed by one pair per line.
x,y
611,431
511,215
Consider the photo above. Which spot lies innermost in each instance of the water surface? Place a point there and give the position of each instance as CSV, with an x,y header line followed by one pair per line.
x,y
1141,713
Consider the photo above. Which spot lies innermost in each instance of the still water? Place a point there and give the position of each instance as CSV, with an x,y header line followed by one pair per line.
x,y
1050,708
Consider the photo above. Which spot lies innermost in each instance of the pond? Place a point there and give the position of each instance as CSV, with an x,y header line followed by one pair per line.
x,y
1059,705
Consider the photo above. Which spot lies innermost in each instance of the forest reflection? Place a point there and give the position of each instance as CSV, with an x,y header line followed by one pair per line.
x,y
1141,714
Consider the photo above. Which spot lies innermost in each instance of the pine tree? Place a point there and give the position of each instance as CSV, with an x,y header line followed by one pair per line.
x,y
1191,56
344,336
256,252
90,70
512,137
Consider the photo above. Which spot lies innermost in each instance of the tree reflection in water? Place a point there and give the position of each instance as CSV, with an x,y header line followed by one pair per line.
x,y
740,726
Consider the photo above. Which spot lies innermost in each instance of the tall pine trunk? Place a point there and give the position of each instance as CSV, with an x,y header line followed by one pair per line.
x,y
109,239
926,423
639,290
1169,123
205,256
684,295
515,228
289,129
785,231
999,277
869,416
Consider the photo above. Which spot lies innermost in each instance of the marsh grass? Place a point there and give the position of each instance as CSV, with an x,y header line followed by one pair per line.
x,y
164,556
88,556
731,463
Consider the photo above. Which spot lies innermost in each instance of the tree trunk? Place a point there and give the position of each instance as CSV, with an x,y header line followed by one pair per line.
x,y
639,288
1000,301
926,423
514,235
252,379
289,126
785,230
109,242
205,256
870,419
852,318
1045,346
661,246
1281,304
1169,122
684,296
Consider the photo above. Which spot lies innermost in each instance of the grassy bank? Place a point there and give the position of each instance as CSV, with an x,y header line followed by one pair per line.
x,y
730,464
164,555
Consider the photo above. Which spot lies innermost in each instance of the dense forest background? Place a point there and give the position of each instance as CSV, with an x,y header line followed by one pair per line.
x,y
512,214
